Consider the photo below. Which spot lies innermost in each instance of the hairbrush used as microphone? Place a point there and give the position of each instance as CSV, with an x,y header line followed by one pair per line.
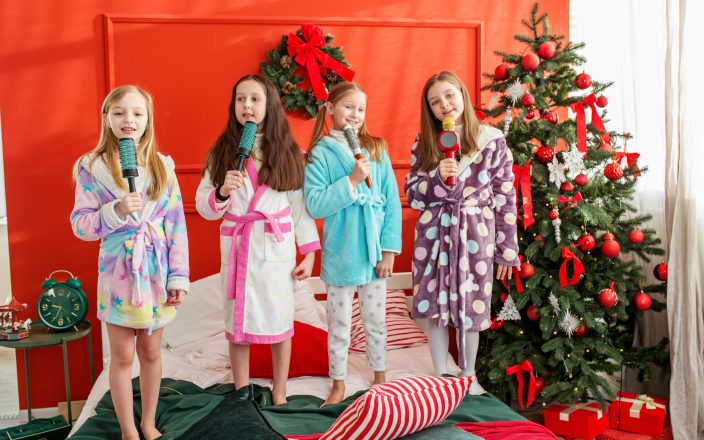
x,y
128,161
353,142
249,133
449,141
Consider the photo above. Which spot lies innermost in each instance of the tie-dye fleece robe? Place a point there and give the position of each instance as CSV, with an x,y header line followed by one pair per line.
x,y
142,256
462,231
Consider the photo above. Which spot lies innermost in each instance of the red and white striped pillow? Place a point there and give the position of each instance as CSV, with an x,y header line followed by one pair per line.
x,y
400,407
402,331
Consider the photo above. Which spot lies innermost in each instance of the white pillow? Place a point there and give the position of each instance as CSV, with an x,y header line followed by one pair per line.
x,y
308,309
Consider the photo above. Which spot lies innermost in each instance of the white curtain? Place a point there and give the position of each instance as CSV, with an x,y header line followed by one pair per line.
x,y
649,49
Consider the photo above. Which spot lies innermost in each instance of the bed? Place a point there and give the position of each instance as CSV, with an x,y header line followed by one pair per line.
x,y
194,357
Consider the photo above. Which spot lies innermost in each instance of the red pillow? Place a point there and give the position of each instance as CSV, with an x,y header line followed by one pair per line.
x,y
400,407
309,354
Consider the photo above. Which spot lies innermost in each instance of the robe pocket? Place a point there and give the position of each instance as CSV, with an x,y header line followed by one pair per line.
x,y
275,250
481,236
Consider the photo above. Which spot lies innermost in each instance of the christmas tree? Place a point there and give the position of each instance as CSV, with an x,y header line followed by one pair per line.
x,y
571,308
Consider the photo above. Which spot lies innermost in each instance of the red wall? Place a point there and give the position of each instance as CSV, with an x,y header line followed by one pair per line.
x,y
58,60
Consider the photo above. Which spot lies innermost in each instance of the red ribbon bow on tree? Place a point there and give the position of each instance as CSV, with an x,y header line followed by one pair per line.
x,y
578,268
571,200
522,180
631,159
518,370
306,52
578,108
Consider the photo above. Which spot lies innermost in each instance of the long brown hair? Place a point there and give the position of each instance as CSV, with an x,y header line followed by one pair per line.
x,y
282,160
375,145
430,126
107,148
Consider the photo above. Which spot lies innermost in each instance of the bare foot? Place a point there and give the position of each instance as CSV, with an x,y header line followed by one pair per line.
x,y
337,393
130,435
279,399
150,432
379,377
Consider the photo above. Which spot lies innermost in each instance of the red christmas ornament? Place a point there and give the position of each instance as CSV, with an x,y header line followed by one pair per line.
x,y
605,147
610,249
528,100
546,50
530,62
586,242
533,313
495,324
608,297
613,171
583,81
601,101
553,214
531,113
503,297
539,384
526,270
501,71
545,154
660,272
636,236
566,187
550,116
581,179
642,301
607,236
580,331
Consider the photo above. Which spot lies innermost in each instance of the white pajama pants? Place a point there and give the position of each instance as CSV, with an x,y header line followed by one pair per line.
x,y
372,299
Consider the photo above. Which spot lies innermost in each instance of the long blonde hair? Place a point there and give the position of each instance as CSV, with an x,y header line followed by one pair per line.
x,y
430,126
375,145
107,148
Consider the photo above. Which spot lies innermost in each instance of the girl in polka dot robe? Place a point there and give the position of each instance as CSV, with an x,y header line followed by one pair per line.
x,y
463,229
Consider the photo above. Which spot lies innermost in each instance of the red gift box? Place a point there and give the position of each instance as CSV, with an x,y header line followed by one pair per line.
x,y
614,434
640,414
582,420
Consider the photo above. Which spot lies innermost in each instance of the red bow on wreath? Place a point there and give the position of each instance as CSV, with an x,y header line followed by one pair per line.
x,y
518,370
568,255
306,52
578,108
631,159
522,181
571,200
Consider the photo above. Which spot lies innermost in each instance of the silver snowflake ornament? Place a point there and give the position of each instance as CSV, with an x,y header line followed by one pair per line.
x,y
515,91
554,303
573,161
557,172
569,323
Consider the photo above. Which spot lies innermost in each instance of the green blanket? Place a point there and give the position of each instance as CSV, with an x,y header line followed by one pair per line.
x,y
187,411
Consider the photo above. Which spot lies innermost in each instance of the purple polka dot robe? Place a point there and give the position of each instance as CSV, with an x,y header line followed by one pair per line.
x,y
462,231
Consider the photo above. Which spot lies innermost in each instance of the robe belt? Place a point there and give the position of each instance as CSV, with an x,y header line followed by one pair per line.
x,y
370,202
243,228
147,235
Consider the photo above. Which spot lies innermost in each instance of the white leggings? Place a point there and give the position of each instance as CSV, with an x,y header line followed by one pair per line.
x,y
438,339
372,301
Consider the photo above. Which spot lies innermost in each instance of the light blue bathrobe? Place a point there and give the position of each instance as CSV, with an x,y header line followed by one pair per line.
x,y
357,227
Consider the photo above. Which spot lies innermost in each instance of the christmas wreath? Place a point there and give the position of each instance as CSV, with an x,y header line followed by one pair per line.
x,y
323,64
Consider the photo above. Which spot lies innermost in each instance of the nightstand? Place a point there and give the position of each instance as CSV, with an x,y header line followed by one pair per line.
x,y
42,336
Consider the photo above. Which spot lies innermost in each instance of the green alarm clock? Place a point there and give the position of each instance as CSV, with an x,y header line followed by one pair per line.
x,y
62,304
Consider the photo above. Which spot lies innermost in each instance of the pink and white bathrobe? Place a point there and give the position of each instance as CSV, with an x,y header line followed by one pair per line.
x,y
256,272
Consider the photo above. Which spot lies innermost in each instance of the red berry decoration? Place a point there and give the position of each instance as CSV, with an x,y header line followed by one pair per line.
x,y
607,236
531,113
546,50
601,101
642,301
660,272
608,297
636,236
613,171
586,242
539,384
501,71
605,147
503,297
526,270
528,100
530,62
554,214
545,154
583,81
610,249
581,330
566,187
550,116
495,324
581,179
533,313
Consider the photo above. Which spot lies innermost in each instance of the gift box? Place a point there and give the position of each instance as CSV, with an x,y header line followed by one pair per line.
x,y
641,414
614,434
584,420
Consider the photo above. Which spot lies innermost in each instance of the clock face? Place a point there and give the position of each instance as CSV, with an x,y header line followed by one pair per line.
x,y
61,307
